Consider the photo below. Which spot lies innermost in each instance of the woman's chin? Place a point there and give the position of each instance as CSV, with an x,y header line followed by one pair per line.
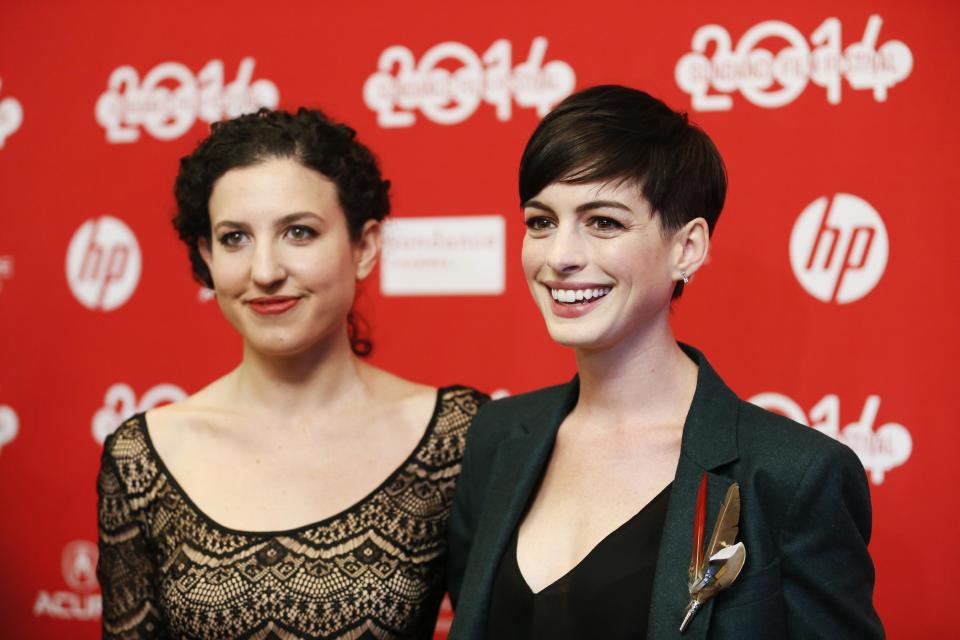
x,y
583,337
281,347
573,337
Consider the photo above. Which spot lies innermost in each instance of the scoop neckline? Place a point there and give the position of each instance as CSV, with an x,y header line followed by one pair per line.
x,y
427,434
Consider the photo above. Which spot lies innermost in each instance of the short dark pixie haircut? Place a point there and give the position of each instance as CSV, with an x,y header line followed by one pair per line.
x,y
308,137
614,133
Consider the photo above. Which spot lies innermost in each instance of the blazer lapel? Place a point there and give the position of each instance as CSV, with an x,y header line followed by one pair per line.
x,y
709,441
670,585
516,469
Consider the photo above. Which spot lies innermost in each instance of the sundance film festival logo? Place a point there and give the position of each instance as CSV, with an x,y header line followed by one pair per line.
x,y
9,425
11,115
120,402
170,99
839,248
103,263
774,79
78,602
880,449
402,85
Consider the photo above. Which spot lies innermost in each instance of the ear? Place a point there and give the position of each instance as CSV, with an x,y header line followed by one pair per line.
x,y
203,246
691,244
367,248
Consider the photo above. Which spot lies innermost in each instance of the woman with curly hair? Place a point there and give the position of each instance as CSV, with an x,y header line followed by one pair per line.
x,y
305,493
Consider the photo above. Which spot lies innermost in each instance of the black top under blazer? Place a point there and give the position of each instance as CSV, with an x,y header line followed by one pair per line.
x,y
804,519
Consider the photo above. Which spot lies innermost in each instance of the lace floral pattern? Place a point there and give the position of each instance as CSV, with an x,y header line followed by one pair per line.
x,y
372,571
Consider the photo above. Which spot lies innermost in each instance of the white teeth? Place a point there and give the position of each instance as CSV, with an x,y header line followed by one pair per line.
x,y
576,295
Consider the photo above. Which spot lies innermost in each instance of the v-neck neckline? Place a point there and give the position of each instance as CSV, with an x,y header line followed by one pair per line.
x,y
567,575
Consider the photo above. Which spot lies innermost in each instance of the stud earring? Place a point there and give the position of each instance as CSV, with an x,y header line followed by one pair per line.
x,y
686,278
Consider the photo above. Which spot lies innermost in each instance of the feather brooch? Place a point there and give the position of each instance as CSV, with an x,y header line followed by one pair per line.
x,y
717,568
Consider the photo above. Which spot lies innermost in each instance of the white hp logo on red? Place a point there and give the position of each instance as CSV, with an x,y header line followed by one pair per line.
x,y
103,263
839,248
79,564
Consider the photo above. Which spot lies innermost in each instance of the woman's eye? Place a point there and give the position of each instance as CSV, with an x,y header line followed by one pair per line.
x,y
538,223
605,224
232,238
301,233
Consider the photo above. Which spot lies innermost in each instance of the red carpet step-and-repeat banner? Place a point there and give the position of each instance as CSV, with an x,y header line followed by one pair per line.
x,y
830,295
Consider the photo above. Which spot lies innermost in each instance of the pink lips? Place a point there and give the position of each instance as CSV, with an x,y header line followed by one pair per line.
x,y
273,305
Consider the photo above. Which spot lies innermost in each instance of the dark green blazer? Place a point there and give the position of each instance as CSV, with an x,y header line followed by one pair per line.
x,y
805,517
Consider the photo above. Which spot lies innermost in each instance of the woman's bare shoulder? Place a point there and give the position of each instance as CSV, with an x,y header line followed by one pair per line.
x,y
390,388
398,400
171,426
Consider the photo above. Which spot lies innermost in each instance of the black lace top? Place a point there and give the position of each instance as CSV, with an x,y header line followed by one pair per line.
x,y
375,570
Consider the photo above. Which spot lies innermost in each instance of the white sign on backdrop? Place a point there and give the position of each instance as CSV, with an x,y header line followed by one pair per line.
x,y
11,115
79,601
6,269
839,248
774,79
402,85
103,263
9,425
456,255
879,449
167,112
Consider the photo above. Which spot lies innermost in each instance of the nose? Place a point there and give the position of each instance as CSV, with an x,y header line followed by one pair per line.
x,y
267,270
567,252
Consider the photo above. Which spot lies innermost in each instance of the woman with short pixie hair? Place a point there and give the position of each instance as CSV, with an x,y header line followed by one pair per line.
x,y
644,499
304,494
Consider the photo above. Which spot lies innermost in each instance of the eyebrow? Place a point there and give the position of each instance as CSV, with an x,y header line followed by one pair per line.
x,y
298,215
583,208
285,220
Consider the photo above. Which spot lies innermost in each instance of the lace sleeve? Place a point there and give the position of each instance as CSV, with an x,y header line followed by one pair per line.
x,y
126,568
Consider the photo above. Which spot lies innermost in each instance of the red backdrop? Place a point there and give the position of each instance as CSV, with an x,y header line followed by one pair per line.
x,y
827,296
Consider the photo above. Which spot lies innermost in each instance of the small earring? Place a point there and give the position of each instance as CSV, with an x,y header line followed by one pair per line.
x,y
686,278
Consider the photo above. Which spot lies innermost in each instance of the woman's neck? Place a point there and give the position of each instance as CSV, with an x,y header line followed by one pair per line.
x,y
327,377
645,380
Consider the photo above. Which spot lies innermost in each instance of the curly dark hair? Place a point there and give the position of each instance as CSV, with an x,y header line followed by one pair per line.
x,y
310,138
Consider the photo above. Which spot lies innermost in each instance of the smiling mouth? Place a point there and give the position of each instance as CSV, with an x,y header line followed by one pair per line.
x,y
578,296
